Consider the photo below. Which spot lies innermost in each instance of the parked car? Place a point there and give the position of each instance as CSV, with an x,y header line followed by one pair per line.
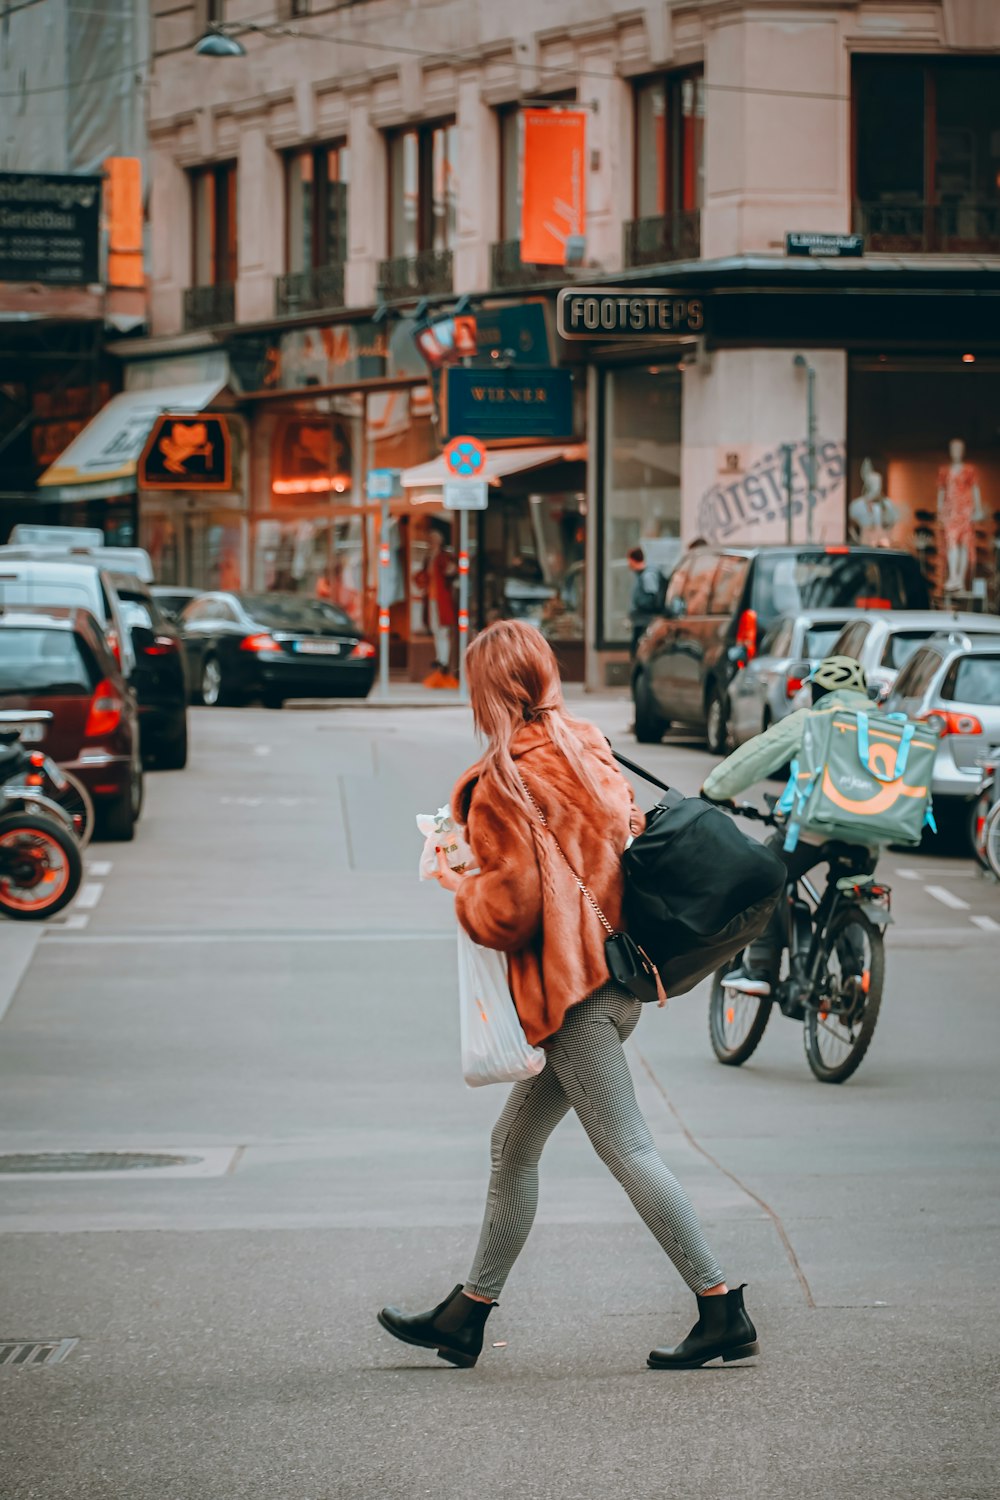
x,y
159,679
766,689
273,646
173,599
721,601
71,583
953,682
57,659
883,642
114,559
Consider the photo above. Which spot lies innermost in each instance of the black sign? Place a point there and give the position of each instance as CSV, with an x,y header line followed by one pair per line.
x,y
497,405
597,312
835,245
187,452
49,228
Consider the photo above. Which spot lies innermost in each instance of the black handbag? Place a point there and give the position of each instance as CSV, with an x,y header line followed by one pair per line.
x,y
697,889
627,964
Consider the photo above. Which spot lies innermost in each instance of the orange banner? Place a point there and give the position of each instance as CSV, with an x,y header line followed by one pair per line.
x,y
553,213
123,211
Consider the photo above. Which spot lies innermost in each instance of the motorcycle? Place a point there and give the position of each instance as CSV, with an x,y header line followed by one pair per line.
x,y
41,866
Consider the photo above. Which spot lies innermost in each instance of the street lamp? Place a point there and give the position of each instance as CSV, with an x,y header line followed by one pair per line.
x,y
801,363
216,43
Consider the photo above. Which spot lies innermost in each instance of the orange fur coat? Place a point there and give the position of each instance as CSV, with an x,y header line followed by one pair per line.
x,y
524,901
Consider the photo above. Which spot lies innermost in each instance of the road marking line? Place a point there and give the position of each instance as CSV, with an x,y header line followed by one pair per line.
x,y
946,898
89,896
98,867
986,924
261,749
74,922
906,874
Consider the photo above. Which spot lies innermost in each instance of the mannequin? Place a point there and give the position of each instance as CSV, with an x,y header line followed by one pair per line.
x,y
873,514
960,506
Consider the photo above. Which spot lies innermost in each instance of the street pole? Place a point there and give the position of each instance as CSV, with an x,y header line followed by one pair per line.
x,y
786,474
383,601
801,363
463,602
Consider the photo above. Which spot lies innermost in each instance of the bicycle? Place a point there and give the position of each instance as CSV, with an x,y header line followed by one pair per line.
x,y
833,967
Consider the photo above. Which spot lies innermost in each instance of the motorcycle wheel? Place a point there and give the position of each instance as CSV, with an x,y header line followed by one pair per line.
x,y
40,867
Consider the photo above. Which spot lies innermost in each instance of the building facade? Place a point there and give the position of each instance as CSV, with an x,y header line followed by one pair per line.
x,y
336,220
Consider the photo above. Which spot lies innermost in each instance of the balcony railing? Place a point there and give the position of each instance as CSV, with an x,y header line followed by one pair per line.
x,y
309,291
421,275
508,269
648,242
204,306
929,228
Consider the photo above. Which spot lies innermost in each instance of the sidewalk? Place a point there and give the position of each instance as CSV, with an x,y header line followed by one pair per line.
x,y
415,695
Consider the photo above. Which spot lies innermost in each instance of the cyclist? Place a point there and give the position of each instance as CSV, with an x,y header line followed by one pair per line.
x,y
837,682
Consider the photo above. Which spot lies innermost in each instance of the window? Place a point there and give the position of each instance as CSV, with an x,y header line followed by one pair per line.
x,y
642,482
214,222
316,181
701,574
44,663
511,165
423,189
670,145
973,679
927,153
915,678
852,640
728,586
778,640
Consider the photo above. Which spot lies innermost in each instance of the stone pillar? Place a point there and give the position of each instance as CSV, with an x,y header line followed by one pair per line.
x,y
367,204
739,407
478,186
170,253
609,156
260,214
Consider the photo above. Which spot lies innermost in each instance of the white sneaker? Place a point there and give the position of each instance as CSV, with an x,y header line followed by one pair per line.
x,y
743,984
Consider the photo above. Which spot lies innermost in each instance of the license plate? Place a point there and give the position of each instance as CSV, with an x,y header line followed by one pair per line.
x,y
318,648
32,734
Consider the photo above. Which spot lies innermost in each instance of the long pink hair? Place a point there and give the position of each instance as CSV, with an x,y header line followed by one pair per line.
x,y
514,680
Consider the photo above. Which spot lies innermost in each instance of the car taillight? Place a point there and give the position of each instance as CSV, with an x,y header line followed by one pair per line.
x,y
943,721
839,551
872,601
162,645
793,685
364,649
105,711
262,642
746,632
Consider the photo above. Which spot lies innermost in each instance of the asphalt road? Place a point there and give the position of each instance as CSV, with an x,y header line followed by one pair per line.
x,y
259,986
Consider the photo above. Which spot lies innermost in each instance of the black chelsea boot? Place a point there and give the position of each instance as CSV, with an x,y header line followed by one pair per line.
x,y
454,1328
723,1328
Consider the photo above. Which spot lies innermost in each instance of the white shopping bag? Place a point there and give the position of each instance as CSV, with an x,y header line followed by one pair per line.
x,y
494,1048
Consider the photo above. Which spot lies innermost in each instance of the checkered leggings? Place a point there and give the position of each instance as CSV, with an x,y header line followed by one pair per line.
x,y
586,1071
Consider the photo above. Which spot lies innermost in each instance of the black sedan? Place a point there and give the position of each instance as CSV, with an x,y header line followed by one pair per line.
x,y
159,678
273,647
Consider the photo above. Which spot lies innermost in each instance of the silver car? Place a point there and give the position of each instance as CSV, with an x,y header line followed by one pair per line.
x,y
953,683
884,640
764,691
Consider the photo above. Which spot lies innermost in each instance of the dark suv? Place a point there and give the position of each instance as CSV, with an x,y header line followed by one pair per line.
x,y
720,602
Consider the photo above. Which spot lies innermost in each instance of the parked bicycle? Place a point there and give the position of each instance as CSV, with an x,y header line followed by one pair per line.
x,y
833,971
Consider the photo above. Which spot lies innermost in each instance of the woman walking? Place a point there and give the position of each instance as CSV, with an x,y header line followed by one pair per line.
x,y
542,764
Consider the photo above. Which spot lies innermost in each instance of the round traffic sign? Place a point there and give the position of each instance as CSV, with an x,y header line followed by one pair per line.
x,y
465,457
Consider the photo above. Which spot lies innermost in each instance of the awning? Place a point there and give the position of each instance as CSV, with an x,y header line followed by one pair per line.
x,y
499,463
106,453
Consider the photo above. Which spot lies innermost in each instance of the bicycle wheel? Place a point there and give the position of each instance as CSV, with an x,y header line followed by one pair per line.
x,y
991,841
76,800
838,1036
735,1022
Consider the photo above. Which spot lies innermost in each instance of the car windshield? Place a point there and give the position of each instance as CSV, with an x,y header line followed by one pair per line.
x,y
279,612
43,663
786,583
820,638
974,679
901,646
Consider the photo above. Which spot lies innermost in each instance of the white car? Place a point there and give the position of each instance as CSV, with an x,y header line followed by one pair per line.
x,y
884,640
769,686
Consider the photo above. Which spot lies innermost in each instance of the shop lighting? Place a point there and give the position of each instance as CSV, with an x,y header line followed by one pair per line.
x,y
968,359
315,484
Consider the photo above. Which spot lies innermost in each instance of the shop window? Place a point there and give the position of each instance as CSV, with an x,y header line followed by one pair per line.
x,y
927,154
670,145
533,563
316,186
642,493
423,189
214,225
312,459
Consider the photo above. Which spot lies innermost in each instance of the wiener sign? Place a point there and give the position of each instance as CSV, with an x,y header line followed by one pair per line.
x,y
622,313
187,452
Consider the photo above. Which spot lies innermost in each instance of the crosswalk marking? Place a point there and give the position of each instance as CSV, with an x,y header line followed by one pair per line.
x,y
90,894
98,867
946,897
986,924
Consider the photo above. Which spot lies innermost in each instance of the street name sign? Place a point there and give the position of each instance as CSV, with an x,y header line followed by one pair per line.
x,y
466,494
835,246
623,313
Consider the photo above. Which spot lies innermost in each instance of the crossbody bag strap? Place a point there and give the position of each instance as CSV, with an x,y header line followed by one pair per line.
x,y
630,765
588,895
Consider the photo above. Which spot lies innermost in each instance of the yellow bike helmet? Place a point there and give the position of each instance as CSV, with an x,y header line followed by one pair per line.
x,y
840,673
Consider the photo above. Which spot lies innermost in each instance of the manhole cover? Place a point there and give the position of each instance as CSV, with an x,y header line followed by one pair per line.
x,y
90,1161
21,1352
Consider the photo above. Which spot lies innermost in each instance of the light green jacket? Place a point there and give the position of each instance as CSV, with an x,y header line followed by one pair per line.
x,y
768,752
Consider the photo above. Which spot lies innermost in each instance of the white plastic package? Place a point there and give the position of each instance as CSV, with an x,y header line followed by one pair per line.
x,y
494,1047
440,832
